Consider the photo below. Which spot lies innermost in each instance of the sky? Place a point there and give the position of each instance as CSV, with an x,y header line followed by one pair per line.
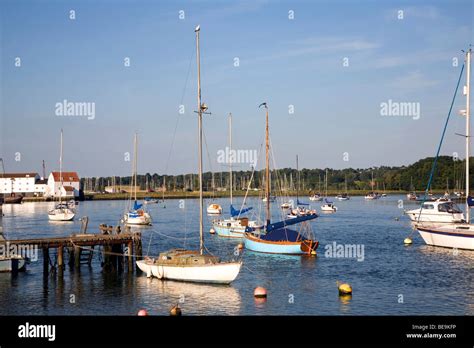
x,y
333,63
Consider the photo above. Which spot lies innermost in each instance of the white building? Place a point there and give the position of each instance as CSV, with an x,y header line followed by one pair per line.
x,y
41,187
18,183
70,185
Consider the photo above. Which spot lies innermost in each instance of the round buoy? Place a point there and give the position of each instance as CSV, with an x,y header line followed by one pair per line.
x,y
313,253
212,231
240,246
407,241
260,292
344,289
175,311
142,313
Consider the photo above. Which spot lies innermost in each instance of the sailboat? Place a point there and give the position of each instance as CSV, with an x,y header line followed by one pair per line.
x,y
328,206
193,265
237,224
62,212
372,195
300,209
136,214
455,235
278,238
344,196
317,197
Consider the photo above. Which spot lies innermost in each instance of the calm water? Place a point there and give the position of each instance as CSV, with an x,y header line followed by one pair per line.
x,y
431,280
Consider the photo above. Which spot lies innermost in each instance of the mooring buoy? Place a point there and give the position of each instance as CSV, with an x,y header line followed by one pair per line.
x,y
240,246
142,313
407,241
344,288
260,292
212,231
175,311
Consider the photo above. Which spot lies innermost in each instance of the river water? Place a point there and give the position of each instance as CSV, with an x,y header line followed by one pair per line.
x,y
387,277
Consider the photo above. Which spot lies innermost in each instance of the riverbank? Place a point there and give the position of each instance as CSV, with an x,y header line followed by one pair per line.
x,y
207,195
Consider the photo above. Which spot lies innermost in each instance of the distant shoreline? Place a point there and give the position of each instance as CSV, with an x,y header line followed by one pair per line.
x,y
208,195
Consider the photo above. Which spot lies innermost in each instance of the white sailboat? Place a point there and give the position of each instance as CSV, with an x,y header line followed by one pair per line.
x,y
193,265
455,235
237,224
136,214
62,211
328,206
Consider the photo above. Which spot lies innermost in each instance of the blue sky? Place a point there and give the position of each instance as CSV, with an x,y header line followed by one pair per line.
x,y
281,61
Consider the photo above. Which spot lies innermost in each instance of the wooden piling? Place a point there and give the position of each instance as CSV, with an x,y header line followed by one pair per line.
x,y
60,257
77,256
130,255
45,260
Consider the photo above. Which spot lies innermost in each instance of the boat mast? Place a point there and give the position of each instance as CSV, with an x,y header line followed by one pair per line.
x,y
230,156
200,109
135,141
267,164
298,184
60,167
468,139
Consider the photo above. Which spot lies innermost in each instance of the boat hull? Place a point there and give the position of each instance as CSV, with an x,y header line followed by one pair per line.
x,y
287,248
438,217
222,273
62,216
144,219
448,238
10,264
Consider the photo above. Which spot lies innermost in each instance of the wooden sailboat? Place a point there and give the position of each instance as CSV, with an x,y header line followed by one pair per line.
x,y
278,238
62,212
455,235
136,214
193,265
237,224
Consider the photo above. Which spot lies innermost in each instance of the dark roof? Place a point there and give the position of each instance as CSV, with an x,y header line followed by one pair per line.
x,y
41,182
18,175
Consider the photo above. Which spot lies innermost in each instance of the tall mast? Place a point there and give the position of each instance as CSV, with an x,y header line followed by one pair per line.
x,y
230,154
60,167
200,109
135,143
267,165
298,183
468,139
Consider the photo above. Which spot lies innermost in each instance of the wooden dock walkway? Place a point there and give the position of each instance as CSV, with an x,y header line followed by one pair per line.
x,y
116,246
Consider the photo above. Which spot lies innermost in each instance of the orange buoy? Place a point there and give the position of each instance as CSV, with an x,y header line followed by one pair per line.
x,y
175,311
260,292
240,246
142,313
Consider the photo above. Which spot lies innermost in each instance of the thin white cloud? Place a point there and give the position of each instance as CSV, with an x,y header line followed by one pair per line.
x,y
413,80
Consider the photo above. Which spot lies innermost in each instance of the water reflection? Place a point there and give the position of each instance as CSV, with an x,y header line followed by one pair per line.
x,y
193,298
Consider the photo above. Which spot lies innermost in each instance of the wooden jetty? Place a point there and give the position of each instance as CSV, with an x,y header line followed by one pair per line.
x,y
116,246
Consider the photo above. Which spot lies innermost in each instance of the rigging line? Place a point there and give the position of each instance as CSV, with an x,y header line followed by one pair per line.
x,y
177,119
433,167
249,184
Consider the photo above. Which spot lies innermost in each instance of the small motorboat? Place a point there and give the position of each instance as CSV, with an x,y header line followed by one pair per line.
x,y
13,199
285,206
214,209
372,196
328,207
316,197
343,197
300,211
